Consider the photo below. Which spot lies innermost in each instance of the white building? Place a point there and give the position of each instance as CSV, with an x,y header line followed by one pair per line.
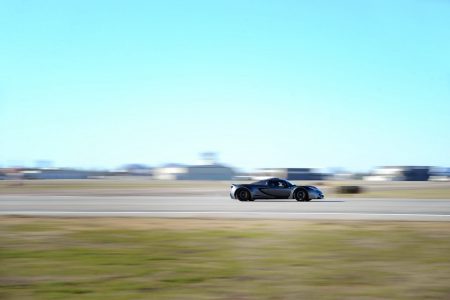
x,y
207,170
170,172
385,174
399,173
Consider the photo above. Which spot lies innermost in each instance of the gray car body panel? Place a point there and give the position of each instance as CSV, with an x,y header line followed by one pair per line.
x,y
263,190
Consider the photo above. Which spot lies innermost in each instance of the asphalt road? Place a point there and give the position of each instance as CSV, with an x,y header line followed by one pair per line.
x,y
224,207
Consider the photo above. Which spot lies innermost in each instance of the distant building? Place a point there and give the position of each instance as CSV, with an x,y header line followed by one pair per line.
x,y
10,173
138,170
208,172
194,172
289,173
440,174
206,169
304,174
265,173
170,172
55,174
400,173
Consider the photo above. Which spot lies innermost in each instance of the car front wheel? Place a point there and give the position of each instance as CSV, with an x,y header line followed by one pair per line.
x,y
301,195
243,195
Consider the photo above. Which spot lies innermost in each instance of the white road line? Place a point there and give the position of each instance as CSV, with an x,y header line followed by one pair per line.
x,y
218,212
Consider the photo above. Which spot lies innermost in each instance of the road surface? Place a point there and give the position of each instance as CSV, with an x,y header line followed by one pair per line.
x,y
224,207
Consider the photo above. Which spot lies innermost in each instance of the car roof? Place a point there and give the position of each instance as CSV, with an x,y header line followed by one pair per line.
x,y
268,179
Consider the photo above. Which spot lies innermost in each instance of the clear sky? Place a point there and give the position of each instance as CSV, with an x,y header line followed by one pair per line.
x,y
347,83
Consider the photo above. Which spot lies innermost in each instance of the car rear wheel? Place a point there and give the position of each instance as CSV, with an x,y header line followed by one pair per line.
x,y
243,195
301,195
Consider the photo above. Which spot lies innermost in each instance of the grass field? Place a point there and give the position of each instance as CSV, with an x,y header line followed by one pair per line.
x,y
138,258
147,187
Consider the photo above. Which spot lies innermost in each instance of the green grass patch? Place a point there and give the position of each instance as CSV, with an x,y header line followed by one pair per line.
x,y
45,258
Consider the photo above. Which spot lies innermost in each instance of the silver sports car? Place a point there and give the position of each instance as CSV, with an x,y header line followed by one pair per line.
x,y
274,188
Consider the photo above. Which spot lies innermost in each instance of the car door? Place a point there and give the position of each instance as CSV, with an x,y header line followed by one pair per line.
x,y
276,189
284,189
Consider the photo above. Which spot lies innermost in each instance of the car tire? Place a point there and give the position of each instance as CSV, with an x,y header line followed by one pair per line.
x,y
243,195
301,195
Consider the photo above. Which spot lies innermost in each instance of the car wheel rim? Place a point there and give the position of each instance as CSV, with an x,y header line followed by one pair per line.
x,y
243,195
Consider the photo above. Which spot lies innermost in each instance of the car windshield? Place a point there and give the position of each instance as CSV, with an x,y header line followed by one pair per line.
x,y
261,182
266,182
287,183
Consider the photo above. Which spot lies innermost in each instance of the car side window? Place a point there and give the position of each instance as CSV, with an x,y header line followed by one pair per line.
x,y
277,183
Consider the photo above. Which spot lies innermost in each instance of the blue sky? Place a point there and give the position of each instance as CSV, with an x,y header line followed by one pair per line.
x,y
353,84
